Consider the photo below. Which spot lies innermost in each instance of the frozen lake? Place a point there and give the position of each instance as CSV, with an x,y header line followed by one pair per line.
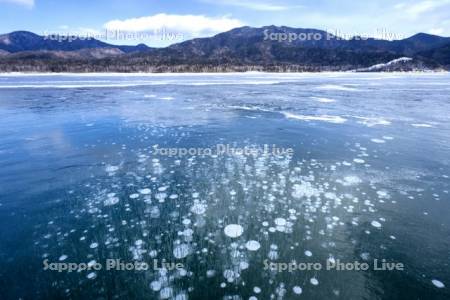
x,y
85,177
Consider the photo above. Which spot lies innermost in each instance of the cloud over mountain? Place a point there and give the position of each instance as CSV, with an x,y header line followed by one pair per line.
x,y
193,25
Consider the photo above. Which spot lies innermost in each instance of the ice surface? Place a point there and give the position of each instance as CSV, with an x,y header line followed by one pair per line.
x,y
332,198
322,118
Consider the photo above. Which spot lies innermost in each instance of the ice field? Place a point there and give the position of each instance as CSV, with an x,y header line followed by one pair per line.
x,y
81,181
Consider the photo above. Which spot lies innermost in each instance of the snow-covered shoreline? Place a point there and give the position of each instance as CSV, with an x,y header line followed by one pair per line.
x,y
111,74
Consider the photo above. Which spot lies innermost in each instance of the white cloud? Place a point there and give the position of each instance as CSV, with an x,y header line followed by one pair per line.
x,y
436,31
26,3
400,5
194,25
253,5
419,8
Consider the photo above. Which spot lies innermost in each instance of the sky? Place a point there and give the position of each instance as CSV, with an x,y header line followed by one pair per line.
x,y
160,23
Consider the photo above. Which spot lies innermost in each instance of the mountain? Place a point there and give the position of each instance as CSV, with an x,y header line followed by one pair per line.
x,y
19,41
312,38
439,56
309,49
88,53
270,48
423,41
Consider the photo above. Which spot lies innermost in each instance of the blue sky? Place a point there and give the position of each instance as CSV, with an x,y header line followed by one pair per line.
x,y
163,22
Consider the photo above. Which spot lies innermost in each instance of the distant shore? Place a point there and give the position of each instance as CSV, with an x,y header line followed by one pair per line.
x,y
106,74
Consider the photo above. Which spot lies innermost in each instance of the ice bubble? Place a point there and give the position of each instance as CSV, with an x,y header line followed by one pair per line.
x,y
253,245
365,256
198,208
93,245
63,257
305,189
188,232
297,290
351,180
280,222
155,285
233,230
111,201
229,275
161,197
438,284
383,194
166,293
376,224
243,265
92,263
91,275
314,281
330,195
257,290
145,191
359,160
308,253
182,296
181,251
